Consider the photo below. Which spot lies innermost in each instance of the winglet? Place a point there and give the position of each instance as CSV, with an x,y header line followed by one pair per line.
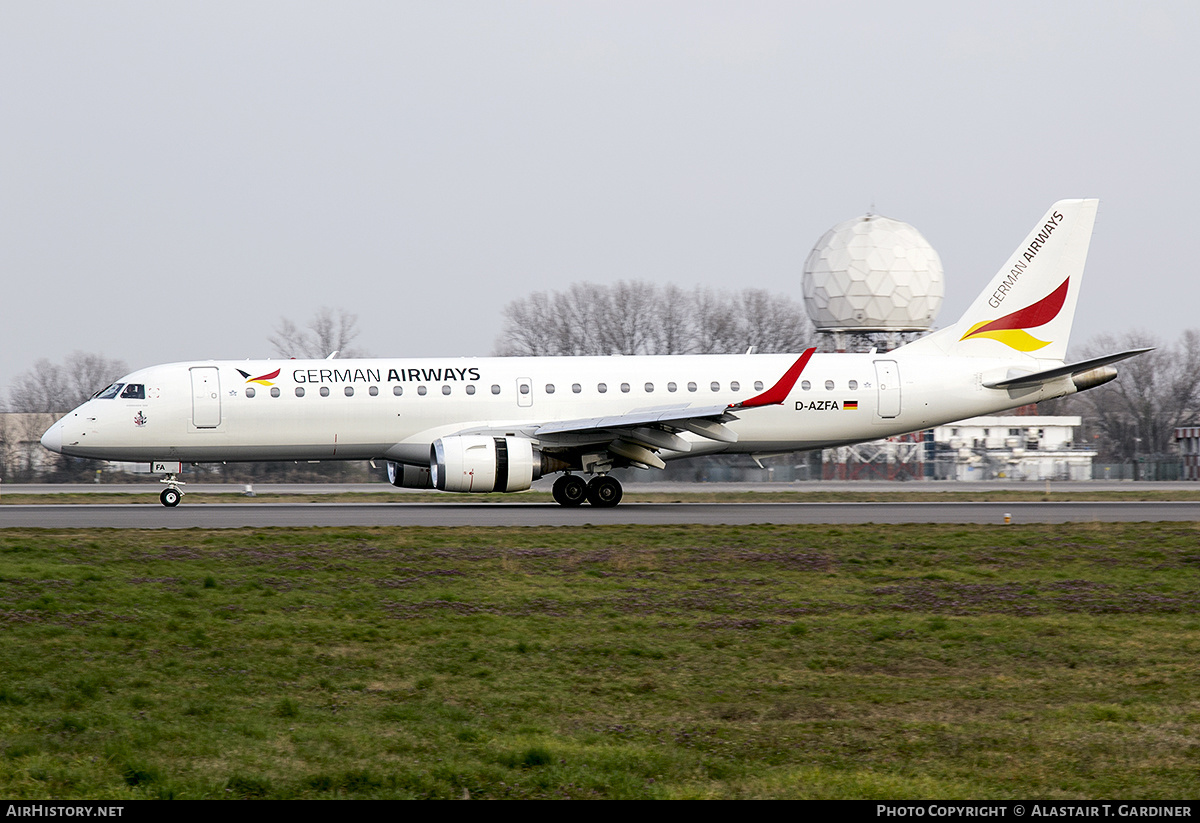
x,y
779,392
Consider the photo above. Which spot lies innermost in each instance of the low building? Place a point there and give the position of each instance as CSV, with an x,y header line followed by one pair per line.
x,y
1188,438
1017,447
22,456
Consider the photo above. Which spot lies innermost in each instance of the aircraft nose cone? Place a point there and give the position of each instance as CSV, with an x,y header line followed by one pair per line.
x,y
52,439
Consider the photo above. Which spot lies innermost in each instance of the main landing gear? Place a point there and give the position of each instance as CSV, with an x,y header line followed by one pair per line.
x,y
603,492
172,494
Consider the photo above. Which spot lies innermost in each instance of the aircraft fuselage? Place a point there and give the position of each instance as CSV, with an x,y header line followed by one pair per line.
x,y
396,408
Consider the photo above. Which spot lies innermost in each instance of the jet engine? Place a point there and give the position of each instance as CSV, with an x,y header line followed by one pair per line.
x,y
481,463
409,477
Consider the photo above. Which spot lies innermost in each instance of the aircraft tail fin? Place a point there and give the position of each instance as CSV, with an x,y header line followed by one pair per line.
x,y
1029,305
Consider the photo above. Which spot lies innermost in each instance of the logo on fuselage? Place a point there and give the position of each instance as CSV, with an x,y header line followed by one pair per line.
x,y
262,379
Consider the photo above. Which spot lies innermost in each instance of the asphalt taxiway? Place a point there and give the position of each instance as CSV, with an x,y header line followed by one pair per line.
x,y
150,515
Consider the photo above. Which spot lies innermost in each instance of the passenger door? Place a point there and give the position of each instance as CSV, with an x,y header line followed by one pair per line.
x,y
887,380
206,397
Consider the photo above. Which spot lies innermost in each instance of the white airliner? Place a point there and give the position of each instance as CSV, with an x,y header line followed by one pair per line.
x,y
498,424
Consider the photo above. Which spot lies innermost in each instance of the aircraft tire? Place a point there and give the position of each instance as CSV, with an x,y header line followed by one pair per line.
x,y
570,491
604,492
170,498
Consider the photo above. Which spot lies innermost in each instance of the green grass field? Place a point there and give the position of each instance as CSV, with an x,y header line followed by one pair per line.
x,y
608,662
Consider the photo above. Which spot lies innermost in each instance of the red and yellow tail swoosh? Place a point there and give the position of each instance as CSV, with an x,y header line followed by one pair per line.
x,y
1010,329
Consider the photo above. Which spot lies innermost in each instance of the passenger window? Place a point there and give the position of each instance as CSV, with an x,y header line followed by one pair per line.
x,y
445,390
470,388
853,385
523,388
758,385
373,391
324,391
602,387
715,386
249,391
275,391
828,385
575,387
397,390
495,389
549,388
625,387
649,388
804,384
421,390
299,391
134,391
671,387
735,386
691,386
349,391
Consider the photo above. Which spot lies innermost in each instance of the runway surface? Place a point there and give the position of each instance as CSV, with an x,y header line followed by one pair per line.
x,y
259,515
631,487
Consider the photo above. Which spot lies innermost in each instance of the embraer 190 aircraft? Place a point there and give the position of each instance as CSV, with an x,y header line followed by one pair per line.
x,y
498,424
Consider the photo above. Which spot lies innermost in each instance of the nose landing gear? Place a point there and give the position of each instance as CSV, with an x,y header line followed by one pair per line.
x,y
172,494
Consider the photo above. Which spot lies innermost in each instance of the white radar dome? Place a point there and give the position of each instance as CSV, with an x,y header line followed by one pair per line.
x,y
873,273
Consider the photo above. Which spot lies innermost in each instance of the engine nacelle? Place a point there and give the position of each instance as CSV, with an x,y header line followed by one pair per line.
x,y
480,463
409,477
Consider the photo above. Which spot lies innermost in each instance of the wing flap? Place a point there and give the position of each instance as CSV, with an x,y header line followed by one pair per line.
x,y
670,415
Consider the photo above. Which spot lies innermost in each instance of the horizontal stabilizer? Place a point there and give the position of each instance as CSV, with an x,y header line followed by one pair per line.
x,y
1038,378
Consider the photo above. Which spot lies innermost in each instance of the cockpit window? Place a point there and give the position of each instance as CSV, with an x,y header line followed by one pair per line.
x,y
110,392
134,391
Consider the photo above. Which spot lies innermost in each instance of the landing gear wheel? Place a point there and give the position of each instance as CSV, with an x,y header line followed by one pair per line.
x,y
570,490
604,492
170,497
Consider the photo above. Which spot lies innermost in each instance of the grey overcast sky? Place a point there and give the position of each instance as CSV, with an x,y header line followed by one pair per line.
x,y
175,177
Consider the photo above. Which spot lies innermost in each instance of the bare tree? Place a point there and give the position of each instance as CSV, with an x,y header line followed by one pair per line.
x,y
641,318
671,329
1138,412
537,327
36,398
88,373
773,323
716,323
327,332
57,388
626,317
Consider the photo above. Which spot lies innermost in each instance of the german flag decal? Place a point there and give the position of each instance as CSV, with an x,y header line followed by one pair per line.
x,y
850,405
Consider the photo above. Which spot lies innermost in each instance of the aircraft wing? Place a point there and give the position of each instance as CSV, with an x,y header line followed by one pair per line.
x,y
651,428
639,434
702,420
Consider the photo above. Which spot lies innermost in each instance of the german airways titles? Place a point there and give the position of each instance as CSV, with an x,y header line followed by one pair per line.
x,y
402,375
